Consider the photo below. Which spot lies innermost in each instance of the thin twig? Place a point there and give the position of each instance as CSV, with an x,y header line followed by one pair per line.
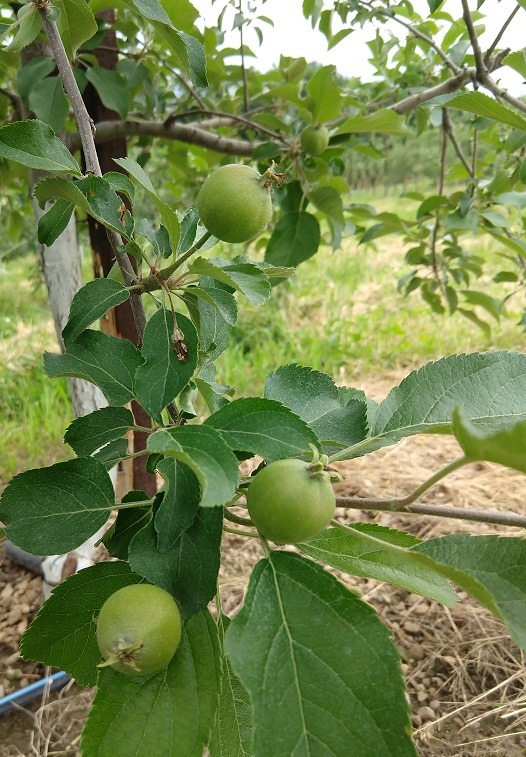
x,y
86,132
239,532
448,126
441,511
186,84
124,53
441,179
487,54
246,105
432,44
237,518
15,100
84,121
453,84
479,59
416,33
490,84
153,282
474,153
446,470
444,88
220,119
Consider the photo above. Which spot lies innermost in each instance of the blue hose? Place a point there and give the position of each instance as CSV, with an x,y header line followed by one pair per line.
x,y
28,693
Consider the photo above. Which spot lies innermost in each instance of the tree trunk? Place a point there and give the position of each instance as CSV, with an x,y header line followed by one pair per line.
x,y
62,268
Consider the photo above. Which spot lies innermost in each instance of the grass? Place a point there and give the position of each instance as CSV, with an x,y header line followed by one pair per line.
x,y
340,313
34,410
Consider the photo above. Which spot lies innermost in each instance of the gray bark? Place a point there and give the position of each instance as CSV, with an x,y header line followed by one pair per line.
x,y
61,265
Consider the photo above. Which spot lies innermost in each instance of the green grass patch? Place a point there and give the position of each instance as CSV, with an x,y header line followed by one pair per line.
x,y
34,410
341,313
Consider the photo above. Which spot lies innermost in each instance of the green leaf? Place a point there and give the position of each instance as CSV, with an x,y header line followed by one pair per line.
x,y
275,271
128,523
516,61
119,182
516,199
189,567
33,144
479,323
263,427
169,216
95,195
314,397
295,238
338,37
326,100
507,447
106,205
490,568
182,13
212,392
430,204
52,510
112,89
63,632
355,553
214,311
112,453
105,360
168,713
153,11
179,504
233,729
490,304
321,669
28,29
53,222
496,219
48,102
328,201
309,393
505,276
483,105
90,432
203,449
215,294
90,303
489,386
33,73
57,187
168,365
434,5
189,51
188,231
378,230
76,24
246,277
384,121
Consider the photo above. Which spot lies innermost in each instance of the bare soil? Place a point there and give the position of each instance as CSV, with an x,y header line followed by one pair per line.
x,y
466,679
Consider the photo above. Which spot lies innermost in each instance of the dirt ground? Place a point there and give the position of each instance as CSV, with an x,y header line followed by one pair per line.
x,y
466,679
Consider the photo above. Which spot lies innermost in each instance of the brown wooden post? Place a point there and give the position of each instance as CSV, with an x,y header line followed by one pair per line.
x,y
119,321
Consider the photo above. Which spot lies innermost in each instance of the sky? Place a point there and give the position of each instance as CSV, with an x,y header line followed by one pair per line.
x,y
293,36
